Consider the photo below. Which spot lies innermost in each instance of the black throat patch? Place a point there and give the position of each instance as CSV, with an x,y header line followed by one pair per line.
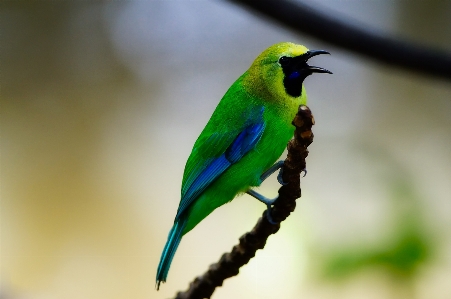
x,y
295,70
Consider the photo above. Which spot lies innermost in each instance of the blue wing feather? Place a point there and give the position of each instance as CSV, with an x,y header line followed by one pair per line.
x,y
208,175
204,174
245,141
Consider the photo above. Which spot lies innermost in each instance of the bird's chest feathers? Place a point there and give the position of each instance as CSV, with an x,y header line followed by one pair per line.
x,y
278,131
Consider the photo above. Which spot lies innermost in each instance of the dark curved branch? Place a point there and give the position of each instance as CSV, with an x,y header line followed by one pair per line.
x,y
388,50
230,263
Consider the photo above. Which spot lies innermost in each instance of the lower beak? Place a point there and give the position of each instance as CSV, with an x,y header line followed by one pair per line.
x,y
315,69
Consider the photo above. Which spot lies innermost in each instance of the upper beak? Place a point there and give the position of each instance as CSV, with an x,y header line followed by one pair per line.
x,y
315,69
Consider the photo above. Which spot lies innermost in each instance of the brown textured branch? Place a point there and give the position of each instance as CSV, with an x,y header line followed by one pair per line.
x,y
230,263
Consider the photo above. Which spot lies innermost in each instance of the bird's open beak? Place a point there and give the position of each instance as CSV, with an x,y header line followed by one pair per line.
x,y
315,69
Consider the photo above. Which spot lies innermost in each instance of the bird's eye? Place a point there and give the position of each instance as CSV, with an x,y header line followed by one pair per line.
x,y
284,61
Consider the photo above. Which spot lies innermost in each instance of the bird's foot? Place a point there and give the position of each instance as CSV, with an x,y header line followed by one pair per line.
x,y
267,201
268,216
279,177
278,165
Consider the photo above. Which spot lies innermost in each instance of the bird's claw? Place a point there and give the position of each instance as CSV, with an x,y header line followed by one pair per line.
x,y
304,171
267,213
267,201
280,178
278,165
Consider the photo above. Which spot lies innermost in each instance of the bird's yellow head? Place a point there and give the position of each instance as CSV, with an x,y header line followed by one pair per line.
x,y
278,73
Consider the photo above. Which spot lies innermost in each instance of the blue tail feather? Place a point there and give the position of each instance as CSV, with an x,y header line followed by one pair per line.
x,y
174,237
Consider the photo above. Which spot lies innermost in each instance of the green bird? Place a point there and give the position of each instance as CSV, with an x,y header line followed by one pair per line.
x,y
247,133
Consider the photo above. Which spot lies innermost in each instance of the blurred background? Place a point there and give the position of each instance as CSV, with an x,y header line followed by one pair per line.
x,y
101,102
